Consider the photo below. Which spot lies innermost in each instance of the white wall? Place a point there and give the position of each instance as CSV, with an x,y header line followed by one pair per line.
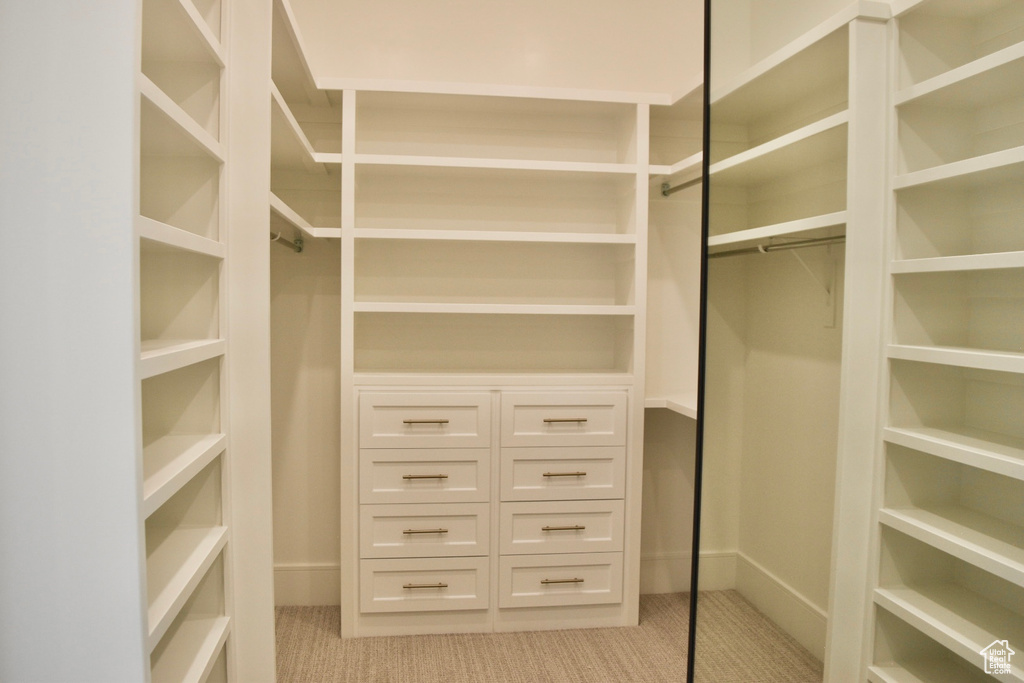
x,y
643,45
72,603
772,430
305,362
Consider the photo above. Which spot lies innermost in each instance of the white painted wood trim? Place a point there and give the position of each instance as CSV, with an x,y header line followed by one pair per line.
x,y
787,607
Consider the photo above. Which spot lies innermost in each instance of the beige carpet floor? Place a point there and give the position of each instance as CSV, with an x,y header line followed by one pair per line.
x,y
736,644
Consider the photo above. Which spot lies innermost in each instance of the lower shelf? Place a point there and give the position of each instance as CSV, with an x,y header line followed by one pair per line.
x,y
192,652
958,619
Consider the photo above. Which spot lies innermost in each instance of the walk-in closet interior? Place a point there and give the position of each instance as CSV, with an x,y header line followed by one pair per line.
x,y
443,314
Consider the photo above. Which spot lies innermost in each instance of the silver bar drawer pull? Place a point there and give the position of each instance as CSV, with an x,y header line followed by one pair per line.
x,y
424,476
435,421
551,420
565,474
551,581
574,527
425,531
414,586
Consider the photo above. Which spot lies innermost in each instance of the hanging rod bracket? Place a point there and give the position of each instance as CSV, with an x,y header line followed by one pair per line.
x,y
296,244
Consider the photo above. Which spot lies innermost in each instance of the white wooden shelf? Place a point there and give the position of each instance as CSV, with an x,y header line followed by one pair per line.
x,y
1002,361
174,569
176,115
157,235
164,355
989,79
170,462
175,31
290,71
685,405
495,309
961,621
825,225
197,644
503,164
172,132
927,671
289,145
689,165
279,208
493,236
819,141
508,377
986,542
967,262
992,452
1002,166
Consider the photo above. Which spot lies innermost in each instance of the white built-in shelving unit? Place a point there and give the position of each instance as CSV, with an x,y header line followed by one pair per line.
x,y
951,536
181,298
305,179
780,164
673,268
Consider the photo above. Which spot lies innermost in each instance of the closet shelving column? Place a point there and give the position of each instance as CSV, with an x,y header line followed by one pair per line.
x,y
951,535
305,179
181,313
674,239
488,242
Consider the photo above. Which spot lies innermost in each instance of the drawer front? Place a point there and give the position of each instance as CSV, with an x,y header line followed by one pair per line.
x,y
576,473
563,418
423,585
555,580
424,530
435,475
586,526
424,420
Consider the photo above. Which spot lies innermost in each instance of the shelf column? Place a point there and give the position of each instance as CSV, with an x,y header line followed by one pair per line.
x,y
861,371
349,474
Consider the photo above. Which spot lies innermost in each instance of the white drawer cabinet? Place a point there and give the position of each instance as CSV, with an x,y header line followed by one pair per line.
x,y
467,498
418,585
561,527
429,475
424,420
424,530
563,473
563,418
553,580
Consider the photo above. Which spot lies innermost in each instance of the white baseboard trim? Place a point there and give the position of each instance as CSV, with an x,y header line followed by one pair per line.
x,y
784,605
307,584
670,572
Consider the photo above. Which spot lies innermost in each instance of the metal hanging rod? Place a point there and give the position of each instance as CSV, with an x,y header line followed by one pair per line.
x,y
765,248
667,190
296,244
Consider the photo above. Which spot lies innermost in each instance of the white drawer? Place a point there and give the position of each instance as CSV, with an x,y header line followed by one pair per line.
x,y
424,530
435,475
563,418
575,473
551,580
592,526
418,585
424,420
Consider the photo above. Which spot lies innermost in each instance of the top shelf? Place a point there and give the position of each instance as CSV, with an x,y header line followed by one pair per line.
x,y
938,37
290,71
175,31
394,124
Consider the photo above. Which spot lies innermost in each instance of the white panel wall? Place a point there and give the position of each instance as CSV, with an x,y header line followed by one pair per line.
x,y
305,360
72,603
604,44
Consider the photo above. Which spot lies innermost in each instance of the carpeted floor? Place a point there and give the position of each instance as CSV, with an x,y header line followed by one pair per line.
x,y
736,644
